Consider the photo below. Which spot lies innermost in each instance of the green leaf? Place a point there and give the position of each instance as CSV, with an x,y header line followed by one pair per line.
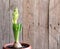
x,y
17,29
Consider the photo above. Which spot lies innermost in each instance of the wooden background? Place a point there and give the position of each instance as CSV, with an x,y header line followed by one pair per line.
x,y
40,19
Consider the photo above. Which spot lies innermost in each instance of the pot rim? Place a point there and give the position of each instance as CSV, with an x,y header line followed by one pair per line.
x,y
28,47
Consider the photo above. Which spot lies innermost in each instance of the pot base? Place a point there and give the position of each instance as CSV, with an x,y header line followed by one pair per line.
x,y
10,46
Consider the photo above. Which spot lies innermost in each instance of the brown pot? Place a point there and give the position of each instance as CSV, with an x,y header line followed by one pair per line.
x,y
10,46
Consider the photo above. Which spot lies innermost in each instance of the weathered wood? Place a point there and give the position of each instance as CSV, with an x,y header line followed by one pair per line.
x,y
54,24
28,22
1,22
13,4
35,23
34,16
41,37
5,21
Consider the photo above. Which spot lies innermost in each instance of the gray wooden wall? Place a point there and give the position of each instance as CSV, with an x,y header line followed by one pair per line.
x,y
40,19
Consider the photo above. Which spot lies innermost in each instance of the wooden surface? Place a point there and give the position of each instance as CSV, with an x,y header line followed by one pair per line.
x,y
40,19
54,24
4,22
35,23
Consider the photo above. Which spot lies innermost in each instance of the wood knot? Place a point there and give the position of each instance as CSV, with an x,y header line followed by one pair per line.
x,y
55,28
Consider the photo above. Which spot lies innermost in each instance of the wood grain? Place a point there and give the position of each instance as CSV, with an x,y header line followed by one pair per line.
x,y
41,37
40,19
54,24
4,22
28,22
35,23
1,22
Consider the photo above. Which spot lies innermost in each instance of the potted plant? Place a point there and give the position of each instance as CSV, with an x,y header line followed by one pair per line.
x,y
17,27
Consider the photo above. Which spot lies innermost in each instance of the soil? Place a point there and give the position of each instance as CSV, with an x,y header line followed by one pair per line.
x,y
12,47
23,46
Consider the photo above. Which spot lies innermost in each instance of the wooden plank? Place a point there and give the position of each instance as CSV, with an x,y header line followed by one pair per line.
x,y
13,4
5,21
1,20
43,22
54,24
28,22
35,23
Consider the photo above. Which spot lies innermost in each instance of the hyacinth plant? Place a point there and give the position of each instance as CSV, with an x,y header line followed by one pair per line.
x,y
17,27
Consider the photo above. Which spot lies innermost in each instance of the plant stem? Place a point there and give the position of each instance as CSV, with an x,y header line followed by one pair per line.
x,y
16,36
16,31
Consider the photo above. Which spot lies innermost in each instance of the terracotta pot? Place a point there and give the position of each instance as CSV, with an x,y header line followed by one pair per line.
x,y
10,46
